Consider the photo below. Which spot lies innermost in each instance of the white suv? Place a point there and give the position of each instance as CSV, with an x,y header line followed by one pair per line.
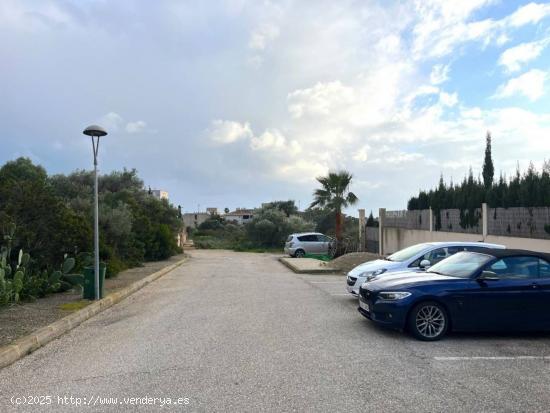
x,y
298,245
417,257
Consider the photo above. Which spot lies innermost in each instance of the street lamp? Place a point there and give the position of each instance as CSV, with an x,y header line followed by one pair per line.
x,y
95,132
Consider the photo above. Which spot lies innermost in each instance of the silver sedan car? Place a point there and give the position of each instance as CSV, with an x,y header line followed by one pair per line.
x,y
417,257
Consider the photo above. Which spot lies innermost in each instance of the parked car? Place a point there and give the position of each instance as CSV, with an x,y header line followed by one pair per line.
x,y
417,257
499,290
298,245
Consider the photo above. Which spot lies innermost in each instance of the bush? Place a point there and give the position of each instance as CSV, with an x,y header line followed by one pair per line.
x,y
266,232
54,216
270,227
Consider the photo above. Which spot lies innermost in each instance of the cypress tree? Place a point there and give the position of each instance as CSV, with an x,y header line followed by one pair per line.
x,y
488,167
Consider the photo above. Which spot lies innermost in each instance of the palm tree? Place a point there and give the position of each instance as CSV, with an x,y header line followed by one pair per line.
x,y
335,195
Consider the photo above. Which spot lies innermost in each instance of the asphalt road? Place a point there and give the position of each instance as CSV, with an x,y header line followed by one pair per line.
x,y
239,332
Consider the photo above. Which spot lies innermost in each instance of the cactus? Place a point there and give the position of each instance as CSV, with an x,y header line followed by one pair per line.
x,y
17,285
21,281
68,265
25,259
68,280
55,277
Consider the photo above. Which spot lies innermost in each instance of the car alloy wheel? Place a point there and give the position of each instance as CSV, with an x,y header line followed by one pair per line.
x,y
299,254
428,321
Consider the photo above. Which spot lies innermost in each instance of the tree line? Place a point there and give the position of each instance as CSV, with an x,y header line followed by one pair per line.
x,y
528,189
52,216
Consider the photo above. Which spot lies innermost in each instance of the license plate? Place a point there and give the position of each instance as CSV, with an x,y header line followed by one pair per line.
x,y
364,306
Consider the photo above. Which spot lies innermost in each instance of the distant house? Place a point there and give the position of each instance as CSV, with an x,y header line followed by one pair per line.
x,y
194,219
159,194
240,215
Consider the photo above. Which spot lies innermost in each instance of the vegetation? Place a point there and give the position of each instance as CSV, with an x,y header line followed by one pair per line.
x,y
269,228
266,232
334,195
371,222
133,225
488,167
528,189
51,216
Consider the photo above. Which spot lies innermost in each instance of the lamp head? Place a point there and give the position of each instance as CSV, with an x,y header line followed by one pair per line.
x,y
94,130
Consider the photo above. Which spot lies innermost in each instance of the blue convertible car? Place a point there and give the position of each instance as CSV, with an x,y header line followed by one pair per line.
x,y
497,290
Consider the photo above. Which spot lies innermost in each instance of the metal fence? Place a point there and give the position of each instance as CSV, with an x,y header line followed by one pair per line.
x,y
455,220
419,219
510,222
519,222
372,237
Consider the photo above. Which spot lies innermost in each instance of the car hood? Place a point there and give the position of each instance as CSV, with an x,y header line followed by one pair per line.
x,y
408,279
373,266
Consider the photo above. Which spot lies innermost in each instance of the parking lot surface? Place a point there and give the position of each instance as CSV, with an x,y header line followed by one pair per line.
x,y
240,332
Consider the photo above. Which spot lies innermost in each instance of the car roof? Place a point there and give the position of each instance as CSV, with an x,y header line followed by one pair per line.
x,y
305,233
466,243
504,253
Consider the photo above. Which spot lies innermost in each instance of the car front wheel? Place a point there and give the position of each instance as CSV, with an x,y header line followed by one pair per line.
x,y
428,321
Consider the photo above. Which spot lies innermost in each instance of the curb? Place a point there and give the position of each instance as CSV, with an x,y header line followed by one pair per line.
x,y
27,344
326,270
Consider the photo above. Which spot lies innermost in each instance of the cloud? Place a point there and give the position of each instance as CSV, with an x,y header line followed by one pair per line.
x,y
439,74
278,92
262,35
448,99
361,155
270,139
513,58
136,127
303,170
531,13
227,131
529,84
397,158
444,25
112,121
321,99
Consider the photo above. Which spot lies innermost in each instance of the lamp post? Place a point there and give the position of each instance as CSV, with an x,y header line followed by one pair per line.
x,y
95,132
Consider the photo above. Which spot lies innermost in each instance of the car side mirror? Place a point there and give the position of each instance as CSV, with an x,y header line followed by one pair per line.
x,y
488,276
425,264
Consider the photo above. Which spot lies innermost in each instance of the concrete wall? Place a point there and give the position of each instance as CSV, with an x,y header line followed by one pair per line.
x,y
194,219
395,239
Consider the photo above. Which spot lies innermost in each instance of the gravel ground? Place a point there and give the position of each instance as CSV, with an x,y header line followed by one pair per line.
x,y
18,320
240,332
349,261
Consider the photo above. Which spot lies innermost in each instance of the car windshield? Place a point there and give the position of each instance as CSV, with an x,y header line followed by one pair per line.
x,y
407,253
462,264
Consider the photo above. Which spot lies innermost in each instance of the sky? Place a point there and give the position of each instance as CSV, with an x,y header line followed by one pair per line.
x,y
231,103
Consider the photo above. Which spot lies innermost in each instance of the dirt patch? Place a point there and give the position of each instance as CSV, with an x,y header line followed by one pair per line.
x,y
21,319
348,261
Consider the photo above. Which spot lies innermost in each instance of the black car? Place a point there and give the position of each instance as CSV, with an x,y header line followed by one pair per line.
x,y
497,290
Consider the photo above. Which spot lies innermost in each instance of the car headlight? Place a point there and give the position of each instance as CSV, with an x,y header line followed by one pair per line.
x,y
371,275
394,295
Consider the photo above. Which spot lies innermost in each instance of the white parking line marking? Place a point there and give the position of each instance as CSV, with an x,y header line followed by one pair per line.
x,y
473,358
347,294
